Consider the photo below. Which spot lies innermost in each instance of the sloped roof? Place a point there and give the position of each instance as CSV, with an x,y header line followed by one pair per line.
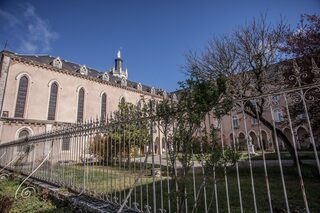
x,y
74,67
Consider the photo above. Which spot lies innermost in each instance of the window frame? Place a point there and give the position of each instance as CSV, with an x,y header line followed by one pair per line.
x,y
22,112
80,113
103,110
277,115
65,140
235,118
56,102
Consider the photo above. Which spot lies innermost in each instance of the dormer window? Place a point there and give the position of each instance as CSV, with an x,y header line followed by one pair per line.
x,y
57,63
123,82
153,91
83,70
174,97
165,95
139,86
105,76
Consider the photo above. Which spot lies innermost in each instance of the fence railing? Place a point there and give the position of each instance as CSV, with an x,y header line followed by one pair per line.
x,y
244,161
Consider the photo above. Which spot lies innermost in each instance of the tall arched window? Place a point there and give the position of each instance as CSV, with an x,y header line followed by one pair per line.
x,y
65,143
80,105
103,106
277,115
235,121
122,100
21,97
22,135
53,101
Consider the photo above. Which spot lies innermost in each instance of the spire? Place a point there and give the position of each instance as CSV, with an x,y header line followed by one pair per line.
x,y
118,62
117,69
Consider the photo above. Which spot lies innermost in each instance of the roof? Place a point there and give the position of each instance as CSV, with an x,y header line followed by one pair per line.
x,y
74,67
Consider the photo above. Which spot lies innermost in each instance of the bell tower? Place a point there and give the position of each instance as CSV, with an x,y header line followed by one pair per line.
x,y
117,68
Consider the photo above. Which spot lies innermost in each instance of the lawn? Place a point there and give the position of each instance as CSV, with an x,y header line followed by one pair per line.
x,y
112,182
311,181
303,155
34,203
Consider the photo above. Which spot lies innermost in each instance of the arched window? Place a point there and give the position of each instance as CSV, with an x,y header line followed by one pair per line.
x,y
65,143
235,121
21,97
53,101
139,105
103,106
80,105
122,100
23,134
277,115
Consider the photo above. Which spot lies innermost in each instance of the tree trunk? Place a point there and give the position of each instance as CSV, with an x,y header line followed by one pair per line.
x,y
280,134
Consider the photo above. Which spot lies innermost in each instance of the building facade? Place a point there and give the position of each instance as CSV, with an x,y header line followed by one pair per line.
x,y
39,93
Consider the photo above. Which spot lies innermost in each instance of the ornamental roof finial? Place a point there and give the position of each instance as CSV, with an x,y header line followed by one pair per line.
x,y
118,54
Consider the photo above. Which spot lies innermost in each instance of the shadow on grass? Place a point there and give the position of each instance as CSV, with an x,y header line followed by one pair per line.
x,y
144,193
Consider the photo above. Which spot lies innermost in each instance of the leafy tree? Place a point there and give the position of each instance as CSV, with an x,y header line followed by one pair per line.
x,y
127,133
185,132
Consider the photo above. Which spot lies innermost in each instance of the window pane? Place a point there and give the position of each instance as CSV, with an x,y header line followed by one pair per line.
x,y
53,102
21,97
80,105
277,116
235,121
65,144
103,106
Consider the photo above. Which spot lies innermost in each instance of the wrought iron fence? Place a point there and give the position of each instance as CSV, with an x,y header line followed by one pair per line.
x,y
241,162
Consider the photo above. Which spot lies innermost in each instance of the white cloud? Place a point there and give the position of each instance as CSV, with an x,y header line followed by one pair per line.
x,y
39,33
32,33
29,47
11,19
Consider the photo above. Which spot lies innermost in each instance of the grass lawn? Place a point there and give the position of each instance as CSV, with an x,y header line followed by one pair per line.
x,y
311,181
303,155
32,204
98,179
116,183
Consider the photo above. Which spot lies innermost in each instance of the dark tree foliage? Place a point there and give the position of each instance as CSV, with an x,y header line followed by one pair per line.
x,y
304,40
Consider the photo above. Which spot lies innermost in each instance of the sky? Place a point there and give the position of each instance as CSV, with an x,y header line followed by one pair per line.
x,y
153,36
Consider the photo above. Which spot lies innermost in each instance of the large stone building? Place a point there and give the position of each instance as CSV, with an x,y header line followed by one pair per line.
x,y
41,92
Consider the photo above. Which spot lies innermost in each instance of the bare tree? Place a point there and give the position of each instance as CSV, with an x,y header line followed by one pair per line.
x,y
248,58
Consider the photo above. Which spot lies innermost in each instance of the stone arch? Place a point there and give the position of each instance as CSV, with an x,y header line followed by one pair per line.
x,y
242,143
232,142
265,142
21,130
140,104
164,145
303,138
254,139
157,145
122,100
287,132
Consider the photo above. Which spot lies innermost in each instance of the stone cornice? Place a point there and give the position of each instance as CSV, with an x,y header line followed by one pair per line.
x,y
64,71
31,121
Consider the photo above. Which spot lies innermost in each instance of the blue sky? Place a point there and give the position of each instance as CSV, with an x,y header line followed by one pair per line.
x,y
153,35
